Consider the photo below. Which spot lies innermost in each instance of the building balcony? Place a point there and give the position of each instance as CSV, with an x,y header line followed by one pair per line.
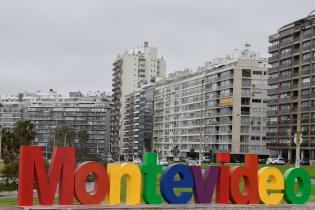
x,y
286,32
273,69
273,80
273,58
271,91
285,66
271,113
284,77
285,43
272,101
274,37
273,48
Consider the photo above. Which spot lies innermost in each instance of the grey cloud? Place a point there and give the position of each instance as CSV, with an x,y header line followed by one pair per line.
x,y
70,45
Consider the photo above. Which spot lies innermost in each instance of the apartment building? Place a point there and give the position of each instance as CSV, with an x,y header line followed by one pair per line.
x,y
292,93
11,110
138,123
131,70
218,107
47,110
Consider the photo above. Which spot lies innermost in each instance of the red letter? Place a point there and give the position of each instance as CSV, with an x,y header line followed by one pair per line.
x,y
61,169
222,189
101,183
249,174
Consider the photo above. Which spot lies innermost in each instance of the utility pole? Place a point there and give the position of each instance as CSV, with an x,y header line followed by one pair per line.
x,y
297,138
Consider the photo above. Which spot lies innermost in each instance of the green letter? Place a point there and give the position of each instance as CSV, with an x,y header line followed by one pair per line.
x,y
303,188
150,170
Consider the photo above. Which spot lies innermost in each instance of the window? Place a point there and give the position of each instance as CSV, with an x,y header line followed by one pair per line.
x,y
306,56
286,50
274,75
306,68
245,101
257,72
245,92
246,72
285,84
246,82
306,80
286,61
256,100
306,44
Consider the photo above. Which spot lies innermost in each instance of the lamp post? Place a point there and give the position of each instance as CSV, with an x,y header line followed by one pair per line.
x,y
65,138
201,124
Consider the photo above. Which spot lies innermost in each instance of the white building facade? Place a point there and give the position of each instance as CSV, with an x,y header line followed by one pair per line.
x,y
220,107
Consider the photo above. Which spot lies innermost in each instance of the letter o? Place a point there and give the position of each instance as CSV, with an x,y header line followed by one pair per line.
x,y
101,183
304,186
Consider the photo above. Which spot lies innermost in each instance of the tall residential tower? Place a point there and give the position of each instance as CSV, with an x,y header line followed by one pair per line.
x,y
131,70
292,93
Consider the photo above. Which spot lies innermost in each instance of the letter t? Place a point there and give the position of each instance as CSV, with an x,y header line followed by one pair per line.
x,y
150,170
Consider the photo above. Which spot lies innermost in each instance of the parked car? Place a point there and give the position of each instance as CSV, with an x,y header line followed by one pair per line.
x,y
163,162
176,160
275,161
304,162
137,161
192,162
206,159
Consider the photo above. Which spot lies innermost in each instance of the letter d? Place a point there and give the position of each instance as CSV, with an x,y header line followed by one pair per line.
x,y
249,174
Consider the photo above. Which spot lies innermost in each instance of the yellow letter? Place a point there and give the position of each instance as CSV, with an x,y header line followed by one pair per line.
x,y
270,178
133,189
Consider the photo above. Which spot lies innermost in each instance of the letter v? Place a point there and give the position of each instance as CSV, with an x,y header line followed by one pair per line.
x,y
204,185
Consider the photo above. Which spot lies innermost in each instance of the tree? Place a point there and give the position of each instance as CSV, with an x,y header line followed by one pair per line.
x,y
24,130
192,153
10,146
83,137
64,135
175,151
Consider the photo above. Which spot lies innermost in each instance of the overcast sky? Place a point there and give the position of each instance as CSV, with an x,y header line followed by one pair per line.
x,y
70,45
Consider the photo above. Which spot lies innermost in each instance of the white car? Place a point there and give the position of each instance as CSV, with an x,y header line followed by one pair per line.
x,y
275,161
163,162
191,162
206,159
137,161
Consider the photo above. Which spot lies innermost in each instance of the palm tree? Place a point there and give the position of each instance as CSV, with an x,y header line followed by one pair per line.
x,y
175,151
24,130
83,137
10,146
65,135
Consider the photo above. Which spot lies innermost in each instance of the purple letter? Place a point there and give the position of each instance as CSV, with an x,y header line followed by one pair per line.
x,y
204,186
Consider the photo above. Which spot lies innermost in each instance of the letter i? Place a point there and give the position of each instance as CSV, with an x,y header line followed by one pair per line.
x,y
222,188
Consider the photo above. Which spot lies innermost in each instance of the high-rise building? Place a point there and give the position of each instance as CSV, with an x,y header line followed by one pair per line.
x,y
219,107
131,70
89,112
138,122
292,89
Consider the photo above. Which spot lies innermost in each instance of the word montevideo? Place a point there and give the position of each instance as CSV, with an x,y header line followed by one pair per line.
x,y
267,185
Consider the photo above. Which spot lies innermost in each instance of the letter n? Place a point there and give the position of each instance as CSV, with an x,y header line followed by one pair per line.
x,y
61,170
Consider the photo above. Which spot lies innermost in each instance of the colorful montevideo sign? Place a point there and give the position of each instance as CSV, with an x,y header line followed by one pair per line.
x,y
267,185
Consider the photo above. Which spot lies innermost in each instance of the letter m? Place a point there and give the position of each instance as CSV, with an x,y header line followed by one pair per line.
x,y
32,167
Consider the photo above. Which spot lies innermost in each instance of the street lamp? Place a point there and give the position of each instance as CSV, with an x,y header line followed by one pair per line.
x,y
201,124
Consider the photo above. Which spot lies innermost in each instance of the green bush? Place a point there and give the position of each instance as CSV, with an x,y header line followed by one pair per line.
x,y
9,179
